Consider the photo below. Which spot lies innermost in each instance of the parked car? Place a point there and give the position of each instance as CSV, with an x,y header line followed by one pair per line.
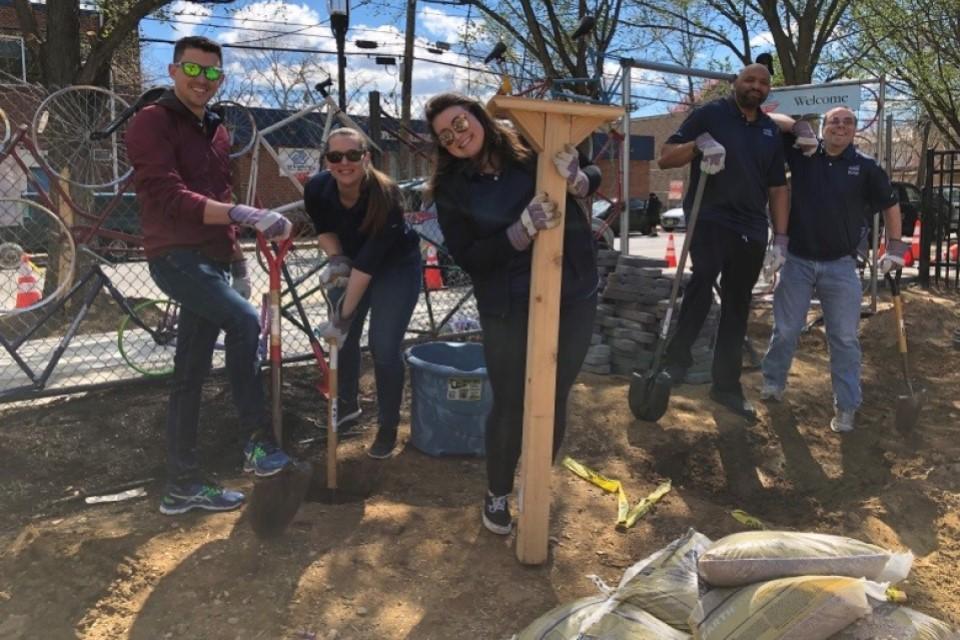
x,y
673,219
604,210
944,205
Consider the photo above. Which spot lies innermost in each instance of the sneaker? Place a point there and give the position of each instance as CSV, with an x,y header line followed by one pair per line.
x,y
496,514
383,445
771,393
735,402
843,421
348,418
180,498
264,458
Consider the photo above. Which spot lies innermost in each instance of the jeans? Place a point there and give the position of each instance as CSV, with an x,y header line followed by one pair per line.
x,y
718,251
505,351
837,285
390,299
207,305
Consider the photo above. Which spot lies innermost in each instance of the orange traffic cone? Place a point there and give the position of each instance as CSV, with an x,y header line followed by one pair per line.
x,y
915,241
671,256
432,277
28,290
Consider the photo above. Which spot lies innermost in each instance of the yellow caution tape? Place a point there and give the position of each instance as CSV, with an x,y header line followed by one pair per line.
x,y
896,595
626,517
745,518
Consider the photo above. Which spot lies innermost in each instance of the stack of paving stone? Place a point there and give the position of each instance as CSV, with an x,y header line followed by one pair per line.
x,y
606,262
628,320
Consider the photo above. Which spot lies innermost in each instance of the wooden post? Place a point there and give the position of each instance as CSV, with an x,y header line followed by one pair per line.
x,y
547,127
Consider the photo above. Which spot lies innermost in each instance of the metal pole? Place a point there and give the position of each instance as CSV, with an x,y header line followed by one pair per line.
x,y
876,214
625,162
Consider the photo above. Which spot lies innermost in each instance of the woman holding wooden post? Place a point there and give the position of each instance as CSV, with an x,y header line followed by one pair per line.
x,y
484,188
374,266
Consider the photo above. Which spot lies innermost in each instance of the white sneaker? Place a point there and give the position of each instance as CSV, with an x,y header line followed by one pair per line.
x,y
771,393
843,421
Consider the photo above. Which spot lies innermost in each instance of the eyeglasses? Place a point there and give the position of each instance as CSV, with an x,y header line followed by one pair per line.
x,y
353,155
192,70
841,122
459,124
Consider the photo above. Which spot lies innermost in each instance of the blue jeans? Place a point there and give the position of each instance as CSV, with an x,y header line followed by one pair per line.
x,y
837,285
390,299
207,305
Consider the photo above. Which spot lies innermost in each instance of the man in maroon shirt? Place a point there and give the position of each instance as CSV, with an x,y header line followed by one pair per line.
x,y
180,154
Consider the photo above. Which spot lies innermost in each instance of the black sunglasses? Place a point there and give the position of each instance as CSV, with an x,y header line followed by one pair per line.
x,y
353,155
192,70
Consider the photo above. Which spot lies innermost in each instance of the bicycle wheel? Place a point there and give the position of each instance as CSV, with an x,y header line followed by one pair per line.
x,y
65,129
240,125
37,256
150,351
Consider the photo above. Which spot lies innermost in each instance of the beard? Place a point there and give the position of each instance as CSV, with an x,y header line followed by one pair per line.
x,y
749,98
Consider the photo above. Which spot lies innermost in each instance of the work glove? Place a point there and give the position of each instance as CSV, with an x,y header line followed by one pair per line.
x,y
336,273
540,214
892,259
240,280
272,225
775,257
712,152
567,162
807,141
336,327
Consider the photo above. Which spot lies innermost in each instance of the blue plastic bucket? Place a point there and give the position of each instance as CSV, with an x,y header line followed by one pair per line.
x,y
451,398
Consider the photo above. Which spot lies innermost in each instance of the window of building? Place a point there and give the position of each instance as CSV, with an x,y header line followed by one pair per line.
x,y
11,59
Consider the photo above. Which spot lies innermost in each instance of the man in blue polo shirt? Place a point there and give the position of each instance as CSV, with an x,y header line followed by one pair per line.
x,y
734,136
834,187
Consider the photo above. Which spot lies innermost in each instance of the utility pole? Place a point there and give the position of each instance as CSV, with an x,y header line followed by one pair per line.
x,y
406,91
339,23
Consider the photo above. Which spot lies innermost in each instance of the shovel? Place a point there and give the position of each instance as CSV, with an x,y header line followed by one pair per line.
x,y
908,406
649,392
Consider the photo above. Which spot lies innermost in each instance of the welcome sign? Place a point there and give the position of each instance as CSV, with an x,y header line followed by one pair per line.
x,y
812,98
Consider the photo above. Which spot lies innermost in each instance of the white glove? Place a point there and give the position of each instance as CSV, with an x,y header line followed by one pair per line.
x,y
713,154
240,281
807,141
892,259
775,257
567,162
272,225
337,327
336,273
540,214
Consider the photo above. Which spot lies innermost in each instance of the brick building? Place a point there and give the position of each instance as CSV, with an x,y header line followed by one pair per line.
x,y
658,129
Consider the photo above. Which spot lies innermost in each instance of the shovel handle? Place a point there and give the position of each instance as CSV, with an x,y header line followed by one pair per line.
x,y
898,313
333,417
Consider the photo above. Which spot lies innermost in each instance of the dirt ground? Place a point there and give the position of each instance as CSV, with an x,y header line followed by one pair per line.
x,y
407,556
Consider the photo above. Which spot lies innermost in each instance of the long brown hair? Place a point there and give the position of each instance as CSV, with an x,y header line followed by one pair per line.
x,y
501,144
382,192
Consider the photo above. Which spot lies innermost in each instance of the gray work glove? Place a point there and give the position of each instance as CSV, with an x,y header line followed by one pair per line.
x,y
776,256
540,214
567,162
336,273
240,280
893,257
807,141
713,154
336,328
272,225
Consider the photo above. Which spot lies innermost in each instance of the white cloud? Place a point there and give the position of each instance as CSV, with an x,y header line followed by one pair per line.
x,y
445,27
188,16
764,39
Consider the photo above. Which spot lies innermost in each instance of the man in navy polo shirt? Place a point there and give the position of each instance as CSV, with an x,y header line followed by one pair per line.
x,y
834,187
733,136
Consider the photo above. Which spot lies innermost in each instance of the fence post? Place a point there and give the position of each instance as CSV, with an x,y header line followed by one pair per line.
x,y
926,224
373,124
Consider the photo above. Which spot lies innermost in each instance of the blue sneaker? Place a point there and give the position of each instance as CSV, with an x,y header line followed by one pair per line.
x,y
181,498
264,458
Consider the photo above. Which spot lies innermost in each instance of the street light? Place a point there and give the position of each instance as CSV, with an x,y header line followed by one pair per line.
x,y
339,21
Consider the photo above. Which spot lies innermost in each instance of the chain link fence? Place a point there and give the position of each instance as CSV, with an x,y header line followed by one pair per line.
x,y
74,284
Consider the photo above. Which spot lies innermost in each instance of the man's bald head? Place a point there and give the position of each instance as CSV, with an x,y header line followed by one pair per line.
x,y
752,86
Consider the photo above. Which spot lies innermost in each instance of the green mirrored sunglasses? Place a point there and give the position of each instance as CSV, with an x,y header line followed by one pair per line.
x,y
192,70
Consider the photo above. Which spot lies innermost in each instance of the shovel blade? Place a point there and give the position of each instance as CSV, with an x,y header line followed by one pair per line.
x,y
649,395
908,411
276,500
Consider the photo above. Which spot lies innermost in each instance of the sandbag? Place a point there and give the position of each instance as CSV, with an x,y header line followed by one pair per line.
x,y
803,608
625,622
666,584
889,621
755,556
